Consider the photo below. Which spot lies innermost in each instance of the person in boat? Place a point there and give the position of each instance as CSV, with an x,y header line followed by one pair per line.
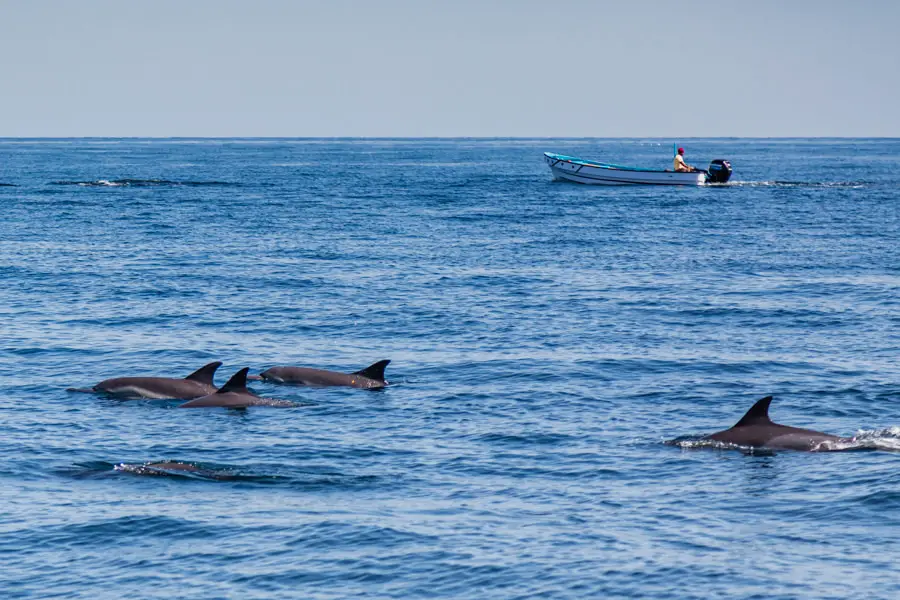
x,y
680,165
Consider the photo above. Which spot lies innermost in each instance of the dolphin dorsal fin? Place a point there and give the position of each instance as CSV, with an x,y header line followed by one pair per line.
x,y
205,373
758,413
375,371
237,383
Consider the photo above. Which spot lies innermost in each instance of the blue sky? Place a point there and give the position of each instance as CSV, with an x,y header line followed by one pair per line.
x,y
450,68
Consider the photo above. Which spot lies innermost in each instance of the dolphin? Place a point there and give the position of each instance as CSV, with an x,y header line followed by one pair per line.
x,y
199,383
158,468
757,430
173,469
235,394
370,378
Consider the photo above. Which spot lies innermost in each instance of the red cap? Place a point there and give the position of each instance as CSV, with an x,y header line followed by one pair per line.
x,y
681,151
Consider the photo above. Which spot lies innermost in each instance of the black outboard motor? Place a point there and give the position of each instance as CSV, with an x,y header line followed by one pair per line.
x,y
719,171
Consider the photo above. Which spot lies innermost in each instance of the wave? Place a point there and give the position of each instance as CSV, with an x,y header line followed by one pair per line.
x,y
7,184
143,183
103,532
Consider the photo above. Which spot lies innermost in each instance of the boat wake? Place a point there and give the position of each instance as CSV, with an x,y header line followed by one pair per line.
x,y
142,183
792,184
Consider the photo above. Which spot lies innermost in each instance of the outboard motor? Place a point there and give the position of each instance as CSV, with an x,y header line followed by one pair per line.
x,y
719,171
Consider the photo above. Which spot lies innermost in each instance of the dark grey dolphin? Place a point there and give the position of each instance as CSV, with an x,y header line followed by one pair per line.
x,y
757,430
199,383
370,378
235,394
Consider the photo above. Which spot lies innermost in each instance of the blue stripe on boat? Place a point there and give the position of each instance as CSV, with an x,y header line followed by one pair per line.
x,y
599,165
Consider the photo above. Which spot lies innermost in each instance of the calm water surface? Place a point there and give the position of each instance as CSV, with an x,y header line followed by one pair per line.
x,y
546,338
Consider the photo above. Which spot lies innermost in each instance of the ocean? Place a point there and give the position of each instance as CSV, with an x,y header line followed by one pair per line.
x,y
547,339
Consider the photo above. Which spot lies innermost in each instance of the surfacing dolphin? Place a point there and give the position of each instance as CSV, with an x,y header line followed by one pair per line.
x,y
197,384
756,430
235,394
370,378
174,469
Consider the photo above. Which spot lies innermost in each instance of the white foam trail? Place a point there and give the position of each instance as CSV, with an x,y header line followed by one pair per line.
x,y
810,184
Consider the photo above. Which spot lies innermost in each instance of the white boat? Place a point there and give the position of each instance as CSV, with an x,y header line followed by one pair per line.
x,y
569,168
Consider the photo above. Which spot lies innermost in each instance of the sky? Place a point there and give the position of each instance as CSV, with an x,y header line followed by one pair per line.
x,y
449,68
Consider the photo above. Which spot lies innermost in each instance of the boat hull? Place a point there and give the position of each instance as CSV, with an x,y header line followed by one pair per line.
x,y
567,168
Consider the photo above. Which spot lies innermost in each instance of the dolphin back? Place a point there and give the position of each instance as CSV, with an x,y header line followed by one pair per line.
x,y
205,374
152,388
234,394
757,430
372,377
226,400
237,383
758,414
375,371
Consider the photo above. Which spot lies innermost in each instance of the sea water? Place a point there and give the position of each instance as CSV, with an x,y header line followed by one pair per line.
x,y
546,340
